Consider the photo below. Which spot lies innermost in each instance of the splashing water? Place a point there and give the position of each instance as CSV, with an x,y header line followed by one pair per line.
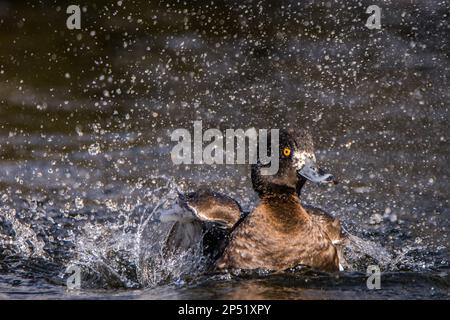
x,y
123,246
129,252
18,237
120,247
85,140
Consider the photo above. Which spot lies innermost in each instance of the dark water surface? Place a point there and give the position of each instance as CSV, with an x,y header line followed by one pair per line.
x,y
86,117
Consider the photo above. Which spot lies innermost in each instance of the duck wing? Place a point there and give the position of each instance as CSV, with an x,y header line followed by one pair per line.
x,y
202,218
352,250
333,229
331,225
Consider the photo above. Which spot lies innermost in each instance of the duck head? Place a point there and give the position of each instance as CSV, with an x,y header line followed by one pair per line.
x,y
297,164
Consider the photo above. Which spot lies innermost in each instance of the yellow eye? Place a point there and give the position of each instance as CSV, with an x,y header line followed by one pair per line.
x,y
287,152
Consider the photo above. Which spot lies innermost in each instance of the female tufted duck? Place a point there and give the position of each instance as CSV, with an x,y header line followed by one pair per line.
x,y
279,234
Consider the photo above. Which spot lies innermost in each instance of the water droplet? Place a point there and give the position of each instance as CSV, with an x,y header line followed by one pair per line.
x,y
94,149
79,203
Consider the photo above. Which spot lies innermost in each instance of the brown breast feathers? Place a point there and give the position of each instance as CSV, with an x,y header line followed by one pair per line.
x,y
277,235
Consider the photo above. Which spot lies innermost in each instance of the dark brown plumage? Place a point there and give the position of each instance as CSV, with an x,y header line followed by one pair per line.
x,y
202,216
277,235
214,207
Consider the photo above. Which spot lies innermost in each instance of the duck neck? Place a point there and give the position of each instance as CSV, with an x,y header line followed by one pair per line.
x,y
284,208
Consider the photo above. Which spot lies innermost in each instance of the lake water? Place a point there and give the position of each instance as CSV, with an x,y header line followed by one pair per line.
x,y
86,117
